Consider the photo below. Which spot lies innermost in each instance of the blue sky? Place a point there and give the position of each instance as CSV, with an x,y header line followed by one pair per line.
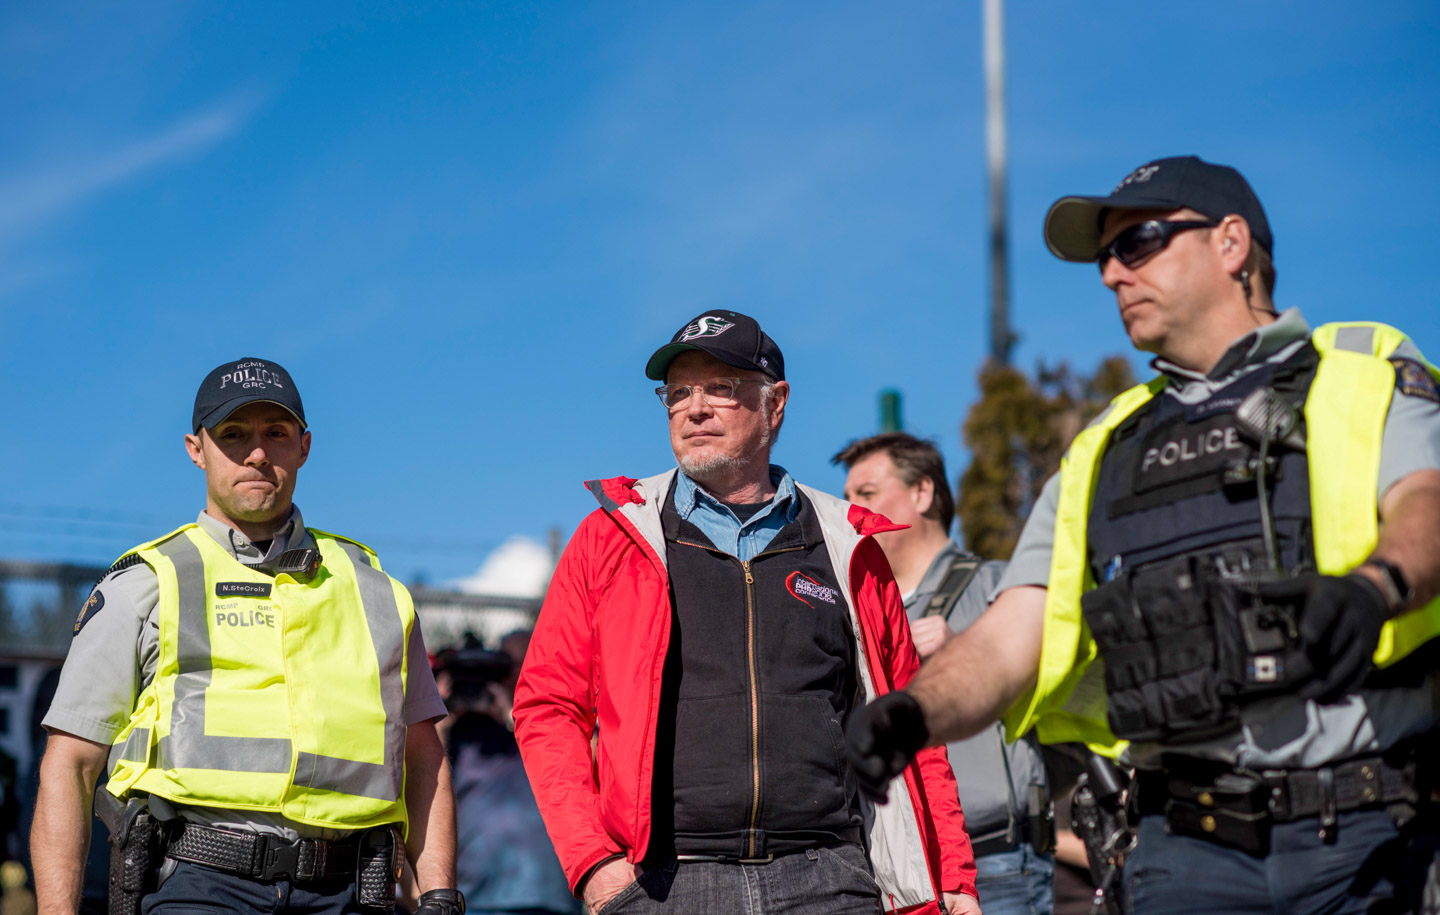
x,y
463,227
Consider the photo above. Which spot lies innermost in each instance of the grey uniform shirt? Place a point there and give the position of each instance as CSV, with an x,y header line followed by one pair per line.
x,y
994,778
1283,732
112,659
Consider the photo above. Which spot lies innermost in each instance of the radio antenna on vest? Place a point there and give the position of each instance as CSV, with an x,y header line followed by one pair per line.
x,y
1267,417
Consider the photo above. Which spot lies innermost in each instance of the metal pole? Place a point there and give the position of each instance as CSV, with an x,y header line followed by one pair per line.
x,y
890,420
1001,338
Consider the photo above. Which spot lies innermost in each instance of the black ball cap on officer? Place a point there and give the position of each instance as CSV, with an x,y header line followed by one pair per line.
x,y
231,386
1074,225
249,437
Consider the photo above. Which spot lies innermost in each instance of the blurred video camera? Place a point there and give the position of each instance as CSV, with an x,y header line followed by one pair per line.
x,y
473,669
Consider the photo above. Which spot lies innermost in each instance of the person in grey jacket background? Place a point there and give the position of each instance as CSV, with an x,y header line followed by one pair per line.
x,y
946,589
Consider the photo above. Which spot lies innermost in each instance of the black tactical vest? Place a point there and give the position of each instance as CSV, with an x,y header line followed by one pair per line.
x,y
1175,546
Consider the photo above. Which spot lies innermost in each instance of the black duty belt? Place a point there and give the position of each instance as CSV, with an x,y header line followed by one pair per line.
x,y
262,856
851,835
1237,806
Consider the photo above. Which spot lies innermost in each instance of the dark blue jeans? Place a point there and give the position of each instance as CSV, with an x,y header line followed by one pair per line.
x,y
834,880
1018,882
1369,868
194,888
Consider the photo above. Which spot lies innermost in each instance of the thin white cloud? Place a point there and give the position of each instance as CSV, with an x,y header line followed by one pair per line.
x,y
20,274
32,199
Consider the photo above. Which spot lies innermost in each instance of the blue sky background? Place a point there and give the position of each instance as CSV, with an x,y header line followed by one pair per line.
x,y
463,227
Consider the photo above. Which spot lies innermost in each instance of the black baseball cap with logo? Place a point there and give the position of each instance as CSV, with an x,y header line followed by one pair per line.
x,y
1073,225
729,336
235,384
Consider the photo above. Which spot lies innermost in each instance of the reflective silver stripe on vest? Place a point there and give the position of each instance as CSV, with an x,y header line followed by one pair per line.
x,y
361,779
188,746
134,749
1356,339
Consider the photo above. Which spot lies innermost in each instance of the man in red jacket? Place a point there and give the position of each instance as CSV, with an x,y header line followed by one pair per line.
x,y
716,624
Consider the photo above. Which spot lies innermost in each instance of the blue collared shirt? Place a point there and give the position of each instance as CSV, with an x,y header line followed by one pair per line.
x,y
745,540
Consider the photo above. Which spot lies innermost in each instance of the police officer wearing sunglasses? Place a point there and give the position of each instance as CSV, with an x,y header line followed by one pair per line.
x,y
1230,585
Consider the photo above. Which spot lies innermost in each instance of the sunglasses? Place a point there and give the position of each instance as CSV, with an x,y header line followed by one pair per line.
x,y
1140,241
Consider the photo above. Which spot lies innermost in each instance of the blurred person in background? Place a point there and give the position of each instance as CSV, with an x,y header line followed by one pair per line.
x,y
504,860
717,623
1231,583
15,898
96,869
945,589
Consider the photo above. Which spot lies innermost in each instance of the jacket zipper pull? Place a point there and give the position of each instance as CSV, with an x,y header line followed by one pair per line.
x,y
748,579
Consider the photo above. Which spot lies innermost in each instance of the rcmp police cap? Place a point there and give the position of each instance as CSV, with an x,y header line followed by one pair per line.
x,y
235,384
1073,224
729,336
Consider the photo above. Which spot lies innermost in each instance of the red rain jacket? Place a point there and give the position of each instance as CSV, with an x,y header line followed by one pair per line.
x,y
596,658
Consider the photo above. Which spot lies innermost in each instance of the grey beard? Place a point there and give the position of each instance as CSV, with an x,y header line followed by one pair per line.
x,y
701,469
715,465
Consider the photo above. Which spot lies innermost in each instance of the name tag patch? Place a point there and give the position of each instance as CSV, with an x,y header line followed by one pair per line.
x,y
1211,407
242,589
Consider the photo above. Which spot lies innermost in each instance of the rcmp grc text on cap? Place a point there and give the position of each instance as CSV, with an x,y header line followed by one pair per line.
x,y
729,336
234,384
1073,225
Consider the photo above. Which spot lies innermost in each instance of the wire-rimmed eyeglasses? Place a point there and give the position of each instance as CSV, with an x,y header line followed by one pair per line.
x,y
717,392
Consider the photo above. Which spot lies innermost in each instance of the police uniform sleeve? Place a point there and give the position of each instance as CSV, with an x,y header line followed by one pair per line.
x,y
99,680
422,699
1411,440
1030,563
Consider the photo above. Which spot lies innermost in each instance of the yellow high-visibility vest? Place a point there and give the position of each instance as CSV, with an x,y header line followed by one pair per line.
x,y
273,694
1345,419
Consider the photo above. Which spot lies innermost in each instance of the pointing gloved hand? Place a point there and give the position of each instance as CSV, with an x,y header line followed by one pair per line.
x,y
441,902
1339,620
882,739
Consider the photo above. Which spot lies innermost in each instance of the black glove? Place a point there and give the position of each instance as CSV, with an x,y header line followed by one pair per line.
x,y
1339,620
441,902
882,739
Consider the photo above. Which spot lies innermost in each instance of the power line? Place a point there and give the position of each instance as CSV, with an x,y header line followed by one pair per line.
x,y
58,521
73,513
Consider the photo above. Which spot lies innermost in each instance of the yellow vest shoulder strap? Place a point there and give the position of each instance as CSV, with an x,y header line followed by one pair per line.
x,y
1369,338
151,544
370,555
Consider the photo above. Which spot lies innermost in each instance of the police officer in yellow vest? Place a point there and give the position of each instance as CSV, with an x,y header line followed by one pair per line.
x,y
1230,585
259,692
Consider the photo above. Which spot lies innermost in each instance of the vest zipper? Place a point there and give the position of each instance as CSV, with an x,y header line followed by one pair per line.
x,y
751,664
754,702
